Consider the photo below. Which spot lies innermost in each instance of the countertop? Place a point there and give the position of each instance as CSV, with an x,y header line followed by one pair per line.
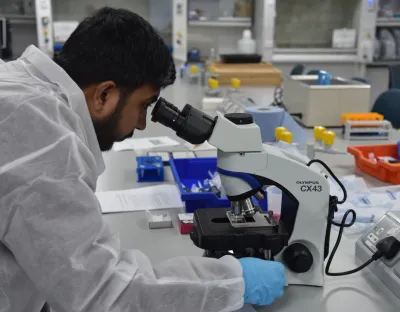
x,y
358,292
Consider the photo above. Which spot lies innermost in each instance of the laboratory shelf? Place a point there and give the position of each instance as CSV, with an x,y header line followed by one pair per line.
x,y
388,22
315,50
229,22
21,18
380,63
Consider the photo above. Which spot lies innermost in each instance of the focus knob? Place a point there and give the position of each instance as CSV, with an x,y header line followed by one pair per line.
x,y
298,258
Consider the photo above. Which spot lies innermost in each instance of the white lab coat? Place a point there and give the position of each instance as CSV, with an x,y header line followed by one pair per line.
x,y
54,244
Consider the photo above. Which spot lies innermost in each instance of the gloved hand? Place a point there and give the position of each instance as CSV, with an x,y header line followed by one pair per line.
x,y
264,280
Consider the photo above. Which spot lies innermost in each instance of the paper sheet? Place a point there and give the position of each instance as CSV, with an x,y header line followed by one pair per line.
x,y
146,198
144,143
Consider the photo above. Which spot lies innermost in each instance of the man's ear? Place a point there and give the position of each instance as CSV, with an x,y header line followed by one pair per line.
x,y
102,99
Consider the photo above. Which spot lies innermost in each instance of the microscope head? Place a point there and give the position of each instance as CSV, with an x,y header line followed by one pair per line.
x,y
231,134
189,124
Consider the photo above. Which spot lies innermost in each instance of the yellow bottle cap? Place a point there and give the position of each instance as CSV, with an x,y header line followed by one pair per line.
x,y
287,137
213,83
235,83
318,133
329,137
278,132
178,34
213,69
194,69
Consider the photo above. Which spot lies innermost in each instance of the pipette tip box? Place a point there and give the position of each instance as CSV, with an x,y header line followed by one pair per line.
x,y
150,169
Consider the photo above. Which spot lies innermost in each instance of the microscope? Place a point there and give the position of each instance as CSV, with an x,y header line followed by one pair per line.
x,y
300,238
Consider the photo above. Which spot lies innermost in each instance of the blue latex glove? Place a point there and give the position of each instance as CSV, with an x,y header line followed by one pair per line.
x,y
264,280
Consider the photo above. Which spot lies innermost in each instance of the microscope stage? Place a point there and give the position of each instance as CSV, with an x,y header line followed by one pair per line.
x,y
213,231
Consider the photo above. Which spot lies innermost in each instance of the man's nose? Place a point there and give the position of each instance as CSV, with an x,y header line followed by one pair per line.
x,y
141,124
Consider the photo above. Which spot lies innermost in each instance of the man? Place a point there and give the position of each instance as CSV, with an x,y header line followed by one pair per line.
x,y
55,119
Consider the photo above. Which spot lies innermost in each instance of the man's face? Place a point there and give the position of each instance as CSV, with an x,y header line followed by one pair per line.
x,y
117,113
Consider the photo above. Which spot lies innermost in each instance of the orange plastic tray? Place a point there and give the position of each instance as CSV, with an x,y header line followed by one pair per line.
x,y
381,170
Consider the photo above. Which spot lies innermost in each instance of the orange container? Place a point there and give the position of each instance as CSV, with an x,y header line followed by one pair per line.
x,y
381,170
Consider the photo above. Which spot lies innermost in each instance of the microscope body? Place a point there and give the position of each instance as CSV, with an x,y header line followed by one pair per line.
x,y
246,165
300,238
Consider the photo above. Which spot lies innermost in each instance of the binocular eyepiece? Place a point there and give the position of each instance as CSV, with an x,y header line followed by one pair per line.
x,y
190,124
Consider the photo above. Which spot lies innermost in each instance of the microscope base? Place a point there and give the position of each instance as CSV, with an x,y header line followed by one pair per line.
x,y
214,233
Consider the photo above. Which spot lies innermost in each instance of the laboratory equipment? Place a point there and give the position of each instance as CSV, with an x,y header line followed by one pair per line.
x,y
324,141
5,39
44,26
31,24
387,269
300,239
193,74
186,154
324,78
314,104
158,219
365,126
188,171
212,95
185,222
367,130
274,197
212,90
267,117
250,74
382,170
388,44
165,156
246,45
150,169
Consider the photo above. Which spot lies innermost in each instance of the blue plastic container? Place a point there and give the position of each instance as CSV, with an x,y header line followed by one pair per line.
x,y
324,78
150,169
189,171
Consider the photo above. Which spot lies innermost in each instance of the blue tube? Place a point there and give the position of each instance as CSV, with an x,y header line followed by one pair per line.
x,y
324,78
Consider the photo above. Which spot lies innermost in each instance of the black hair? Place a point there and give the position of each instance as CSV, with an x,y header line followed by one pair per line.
x,y
117,45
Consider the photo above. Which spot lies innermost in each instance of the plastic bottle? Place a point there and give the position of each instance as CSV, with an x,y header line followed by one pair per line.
x,y
287,137
235,85
193,74
328,138
213,87
278,132
246,45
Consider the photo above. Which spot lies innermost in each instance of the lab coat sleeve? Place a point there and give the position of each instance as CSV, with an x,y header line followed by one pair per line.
x,y
55,230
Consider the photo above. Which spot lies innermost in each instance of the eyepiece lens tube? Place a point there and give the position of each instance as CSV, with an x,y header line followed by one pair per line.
x,y
166,114
191,124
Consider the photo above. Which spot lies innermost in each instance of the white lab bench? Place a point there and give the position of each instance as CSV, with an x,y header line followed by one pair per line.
x,y
358,292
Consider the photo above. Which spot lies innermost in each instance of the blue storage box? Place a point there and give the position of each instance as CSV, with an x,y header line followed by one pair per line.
x,y
189,171
150,169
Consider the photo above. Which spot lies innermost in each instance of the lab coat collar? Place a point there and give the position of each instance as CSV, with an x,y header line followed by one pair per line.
x,y
76,99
